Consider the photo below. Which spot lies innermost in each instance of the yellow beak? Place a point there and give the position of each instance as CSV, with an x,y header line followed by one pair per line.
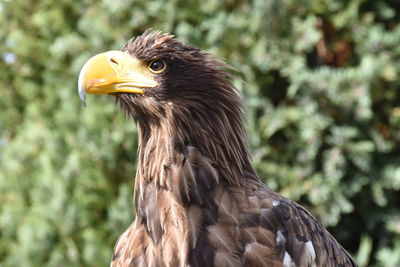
x,y
114,72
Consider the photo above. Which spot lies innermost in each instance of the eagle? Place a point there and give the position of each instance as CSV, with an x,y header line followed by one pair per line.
x,y
198,200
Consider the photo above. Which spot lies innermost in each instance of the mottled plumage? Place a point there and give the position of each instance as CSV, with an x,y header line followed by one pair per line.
x,y
198,200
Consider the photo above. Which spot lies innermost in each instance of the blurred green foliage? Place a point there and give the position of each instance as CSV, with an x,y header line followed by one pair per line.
x,y
321,83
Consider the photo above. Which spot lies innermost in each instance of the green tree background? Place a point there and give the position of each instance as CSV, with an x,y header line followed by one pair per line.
x,y
321,84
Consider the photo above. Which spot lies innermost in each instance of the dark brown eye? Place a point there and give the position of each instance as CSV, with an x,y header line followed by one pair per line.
x,y
157,65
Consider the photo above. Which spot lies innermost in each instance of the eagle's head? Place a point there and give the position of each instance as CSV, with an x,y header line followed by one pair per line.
x,y
174,90
154,74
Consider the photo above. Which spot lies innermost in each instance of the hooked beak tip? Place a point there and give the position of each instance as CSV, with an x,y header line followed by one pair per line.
x,y
82,96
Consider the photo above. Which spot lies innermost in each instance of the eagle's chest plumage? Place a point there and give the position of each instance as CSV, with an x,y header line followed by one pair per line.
x,y
188,215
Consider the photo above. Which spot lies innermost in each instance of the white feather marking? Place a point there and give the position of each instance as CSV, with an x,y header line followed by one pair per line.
x,y
280,239
276,203
248,248
287,260
311,253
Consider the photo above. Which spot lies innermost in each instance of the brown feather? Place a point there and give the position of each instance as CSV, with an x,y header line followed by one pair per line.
x,y
195,218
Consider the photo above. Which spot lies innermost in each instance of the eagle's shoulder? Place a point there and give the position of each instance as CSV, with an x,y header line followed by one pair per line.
x,y
294,235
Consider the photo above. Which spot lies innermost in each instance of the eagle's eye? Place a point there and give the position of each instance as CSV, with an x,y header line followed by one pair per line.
x,y
157,65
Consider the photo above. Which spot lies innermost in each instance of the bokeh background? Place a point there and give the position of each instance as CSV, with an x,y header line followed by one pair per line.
x,y
321,83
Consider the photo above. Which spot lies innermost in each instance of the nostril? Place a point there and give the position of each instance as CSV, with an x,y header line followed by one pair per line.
x,y
113,61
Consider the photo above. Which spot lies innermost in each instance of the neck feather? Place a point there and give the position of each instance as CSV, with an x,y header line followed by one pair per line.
x,y
218,133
